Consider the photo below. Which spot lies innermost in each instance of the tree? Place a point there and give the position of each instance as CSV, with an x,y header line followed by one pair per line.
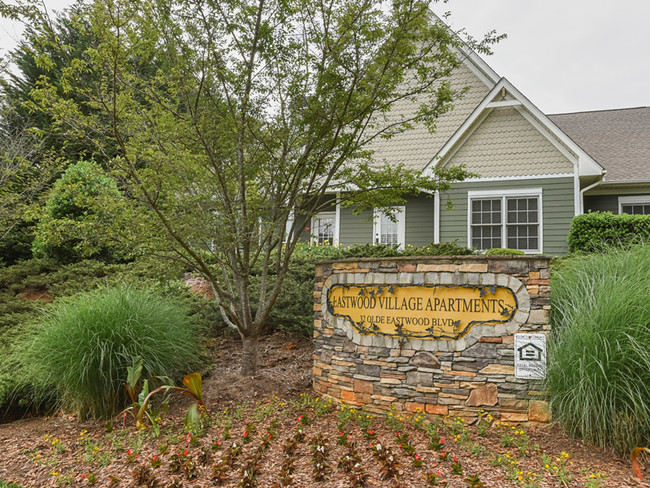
x,y
231,117
22,183
32,153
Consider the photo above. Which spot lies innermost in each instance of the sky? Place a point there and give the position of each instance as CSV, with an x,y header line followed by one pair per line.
x,y
563,55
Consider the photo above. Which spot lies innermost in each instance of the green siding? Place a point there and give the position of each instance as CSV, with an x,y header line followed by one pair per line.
x,y
419,223
355,229
557,209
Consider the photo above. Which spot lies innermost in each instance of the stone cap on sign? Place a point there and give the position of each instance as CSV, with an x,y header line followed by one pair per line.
x,y
468,257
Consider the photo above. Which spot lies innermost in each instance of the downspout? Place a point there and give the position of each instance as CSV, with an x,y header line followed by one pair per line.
x,y
582,192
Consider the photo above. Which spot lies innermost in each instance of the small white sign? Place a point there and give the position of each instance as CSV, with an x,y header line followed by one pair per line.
x,y
530,356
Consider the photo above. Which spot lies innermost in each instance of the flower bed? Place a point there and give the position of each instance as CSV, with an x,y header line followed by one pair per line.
x,y
300,442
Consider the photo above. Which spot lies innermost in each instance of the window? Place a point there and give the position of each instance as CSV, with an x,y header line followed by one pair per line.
x,y
323,228
636,205
509,219
387,231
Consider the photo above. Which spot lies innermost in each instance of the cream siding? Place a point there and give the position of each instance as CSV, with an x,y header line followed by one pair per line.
x,y
416,147
506,144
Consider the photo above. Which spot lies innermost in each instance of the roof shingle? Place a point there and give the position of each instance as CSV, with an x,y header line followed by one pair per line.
x,y
619,140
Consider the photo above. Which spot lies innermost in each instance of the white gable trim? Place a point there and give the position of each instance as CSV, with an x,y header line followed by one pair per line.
x,y
473,61
585,165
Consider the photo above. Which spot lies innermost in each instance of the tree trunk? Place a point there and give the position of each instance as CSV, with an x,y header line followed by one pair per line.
x,y
249,356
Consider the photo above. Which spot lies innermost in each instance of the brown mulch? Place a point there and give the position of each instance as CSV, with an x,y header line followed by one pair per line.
x,y
29,458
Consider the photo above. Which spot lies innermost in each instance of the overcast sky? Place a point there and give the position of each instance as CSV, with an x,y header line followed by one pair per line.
x,y
564,55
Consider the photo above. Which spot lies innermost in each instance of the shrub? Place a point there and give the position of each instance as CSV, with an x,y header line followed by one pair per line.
x,y
83,348
504,251
599,352
594,231
75,222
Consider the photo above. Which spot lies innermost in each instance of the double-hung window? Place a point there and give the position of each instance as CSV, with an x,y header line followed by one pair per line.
x,y
506,218
636,205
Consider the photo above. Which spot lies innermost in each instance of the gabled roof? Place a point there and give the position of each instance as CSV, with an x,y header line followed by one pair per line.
x,y
619,140
504,94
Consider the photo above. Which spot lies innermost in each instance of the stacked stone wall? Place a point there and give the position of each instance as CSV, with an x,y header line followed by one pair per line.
x,y
448,377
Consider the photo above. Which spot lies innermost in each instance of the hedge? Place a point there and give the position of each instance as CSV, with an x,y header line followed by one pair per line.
x,y
595,231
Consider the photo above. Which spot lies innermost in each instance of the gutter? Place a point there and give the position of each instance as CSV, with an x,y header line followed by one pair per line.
x,y
582,192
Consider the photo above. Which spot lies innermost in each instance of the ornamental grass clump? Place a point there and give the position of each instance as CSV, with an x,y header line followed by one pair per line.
x,y
84,347
599,352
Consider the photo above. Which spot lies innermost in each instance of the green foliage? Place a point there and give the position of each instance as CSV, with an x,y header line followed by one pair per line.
x,y
84,347
18,316
75,221
222,125
293,310
502,251
595,231
599,353
5,484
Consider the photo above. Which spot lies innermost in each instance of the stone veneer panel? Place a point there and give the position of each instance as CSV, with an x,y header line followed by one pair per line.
x,y
455,377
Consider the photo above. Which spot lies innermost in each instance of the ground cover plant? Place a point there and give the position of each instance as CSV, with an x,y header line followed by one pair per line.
x,y
296,440
599,353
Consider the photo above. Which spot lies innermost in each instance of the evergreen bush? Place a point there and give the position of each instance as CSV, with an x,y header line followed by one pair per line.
x,y
595,231
504,251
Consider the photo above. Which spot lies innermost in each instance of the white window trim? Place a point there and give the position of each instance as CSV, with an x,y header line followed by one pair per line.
x,y
632,200
401,226
503,194
314,231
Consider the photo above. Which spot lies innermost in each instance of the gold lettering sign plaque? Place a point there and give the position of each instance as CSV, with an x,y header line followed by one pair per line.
x,y
421,311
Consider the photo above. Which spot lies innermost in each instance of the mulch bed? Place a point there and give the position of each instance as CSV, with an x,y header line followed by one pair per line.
x,y
30,456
